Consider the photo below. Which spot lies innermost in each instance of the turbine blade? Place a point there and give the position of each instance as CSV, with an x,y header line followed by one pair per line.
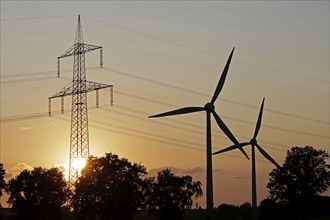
x,y
259,120
222,78
226,130
266,155
231,148
179,111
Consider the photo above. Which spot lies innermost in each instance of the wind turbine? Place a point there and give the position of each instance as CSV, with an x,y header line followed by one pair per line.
x,y
253,143
210,109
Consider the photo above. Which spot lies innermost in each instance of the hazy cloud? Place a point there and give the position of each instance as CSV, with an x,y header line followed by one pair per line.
x,y
27,128
52,124
13,171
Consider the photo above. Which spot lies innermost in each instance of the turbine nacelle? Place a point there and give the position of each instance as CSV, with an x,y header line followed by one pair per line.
x,y
209,107
253,142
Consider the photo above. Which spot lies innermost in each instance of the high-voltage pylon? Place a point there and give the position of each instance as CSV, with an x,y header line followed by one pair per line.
x,y
78,89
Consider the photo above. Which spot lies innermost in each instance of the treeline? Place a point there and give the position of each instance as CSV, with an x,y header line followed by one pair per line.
x,y
109,187
113,188
315,208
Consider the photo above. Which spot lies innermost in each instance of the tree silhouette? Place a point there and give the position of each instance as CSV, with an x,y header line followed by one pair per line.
x,y
110,188
2,178
228,212
305,175
171,195
245,211
38,194
269,210
232,212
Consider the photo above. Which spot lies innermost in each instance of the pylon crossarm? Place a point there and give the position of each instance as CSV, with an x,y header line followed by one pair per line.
x,y
65,91
69,52
90,86
89,47
79,48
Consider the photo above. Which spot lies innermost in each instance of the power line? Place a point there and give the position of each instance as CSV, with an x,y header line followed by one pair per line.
x,y
136,135
226,117
151,121
17,75
16,118
197,130
173,43
190,125
35,18
27,80
183,144
177,121
203,95
157,83
153,128
206,95
150,136
184,123
47,72
205,51
233,119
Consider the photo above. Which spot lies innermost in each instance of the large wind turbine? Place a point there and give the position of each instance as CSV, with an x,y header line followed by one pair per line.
x,y
210,109
253,143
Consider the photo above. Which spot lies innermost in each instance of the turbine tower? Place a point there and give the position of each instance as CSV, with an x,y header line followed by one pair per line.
x,y
253,143
209,108
78,89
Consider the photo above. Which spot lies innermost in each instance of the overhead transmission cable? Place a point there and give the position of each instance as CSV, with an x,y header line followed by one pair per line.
x,y
136,76
173,43
150,137
29,77
205,51
150,81
197,130
36,18
157,83
229,118
206,95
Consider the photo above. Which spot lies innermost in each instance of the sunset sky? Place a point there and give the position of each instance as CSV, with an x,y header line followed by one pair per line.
x,y
161,55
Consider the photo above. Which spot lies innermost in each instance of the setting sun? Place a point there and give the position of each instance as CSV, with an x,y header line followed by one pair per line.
x,y
79,163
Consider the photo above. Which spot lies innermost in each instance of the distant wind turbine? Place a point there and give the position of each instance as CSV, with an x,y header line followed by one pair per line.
x,y
253,143
209,108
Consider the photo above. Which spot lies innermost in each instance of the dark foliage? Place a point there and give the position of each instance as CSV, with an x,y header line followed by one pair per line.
x,y
110,188
269,210
232,212
170,196
2,178
304,175
312,208
38,194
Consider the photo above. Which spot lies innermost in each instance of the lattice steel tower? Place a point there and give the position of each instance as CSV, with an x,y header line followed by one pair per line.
x,y
78,89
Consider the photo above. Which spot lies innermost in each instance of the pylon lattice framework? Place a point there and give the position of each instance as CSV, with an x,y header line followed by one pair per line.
x,y
78,89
